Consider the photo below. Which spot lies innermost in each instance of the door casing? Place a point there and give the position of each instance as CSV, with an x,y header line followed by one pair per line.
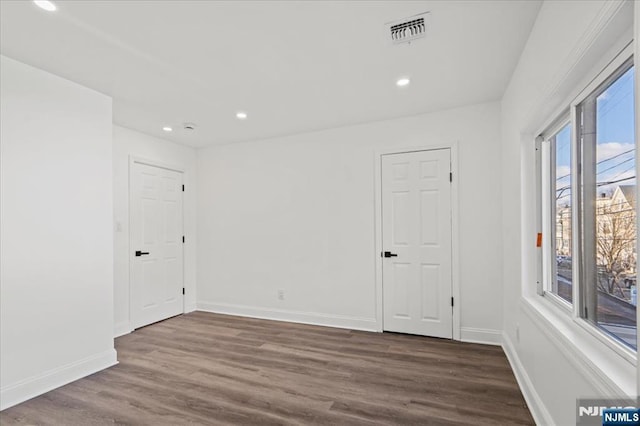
x,y
455,273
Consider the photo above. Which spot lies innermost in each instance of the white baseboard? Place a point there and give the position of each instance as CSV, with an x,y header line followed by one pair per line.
x,y
37,385
122,328
338,321
190,307
538,410
481,335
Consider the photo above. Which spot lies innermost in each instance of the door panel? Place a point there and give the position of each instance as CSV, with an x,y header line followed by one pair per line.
x,y
401,305
401,218
156,229
416,222
429,220
430,292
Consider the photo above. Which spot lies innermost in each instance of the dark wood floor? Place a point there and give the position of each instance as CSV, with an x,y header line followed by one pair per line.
x,y
204,368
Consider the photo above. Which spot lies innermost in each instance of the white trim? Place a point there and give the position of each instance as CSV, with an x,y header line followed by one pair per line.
x,y
540,219
557,124
609,341
604,74
313,318
133,160
608,11
455,242
559,302
538,409
154,163
122,328
37,385
606,370
455,248
545,180
484,336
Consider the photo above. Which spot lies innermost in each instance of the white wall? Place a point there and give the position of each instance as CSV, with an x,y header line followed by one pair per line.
x,y
569,41
56,290
297,213
126,144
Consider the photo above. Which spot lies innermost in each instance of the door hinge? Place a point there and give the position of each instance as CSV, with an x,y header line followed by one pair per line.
x,y
183,290
183,238
452,302
450,176
182,188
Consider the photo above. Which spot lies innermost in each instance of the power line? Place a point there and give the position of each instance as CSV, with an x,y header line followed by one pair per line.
x,y
602,161
608,110
623,80
616,165
624,171
598,184
617,204
614,181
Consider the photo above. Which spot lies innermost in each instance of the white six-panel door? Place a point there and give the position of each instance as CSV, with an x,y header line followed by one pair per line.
x,y
416,226
156,234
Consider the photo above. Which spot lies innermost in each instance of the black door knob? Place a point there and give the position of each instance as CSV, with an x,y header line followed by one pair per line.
x,y
389,254
140,253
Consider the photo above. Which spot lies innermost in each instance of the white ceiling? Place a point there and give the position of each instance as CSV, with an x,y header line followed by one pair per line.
x,y
292,66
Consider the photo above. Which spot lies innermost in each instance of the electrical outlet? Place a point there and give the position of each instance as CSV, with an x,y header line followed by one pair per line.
x,y
280,294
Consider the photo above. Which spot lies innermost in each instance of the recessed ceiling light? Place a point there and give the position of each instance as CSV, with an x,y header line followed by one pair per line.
x,y
46,5
241,115
403,82
167,129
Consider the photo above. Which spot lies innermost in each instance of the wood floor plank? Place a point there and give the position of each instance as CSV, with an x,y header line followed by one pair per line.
x,y
209,369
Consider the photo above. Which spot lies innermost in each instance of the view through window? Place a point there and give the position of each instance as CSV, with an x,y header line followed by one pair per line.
x,y
562,276
609,216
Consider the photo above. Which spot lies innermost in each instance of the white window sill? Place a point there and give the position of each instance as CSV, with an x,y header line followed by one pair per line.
x,y
610,369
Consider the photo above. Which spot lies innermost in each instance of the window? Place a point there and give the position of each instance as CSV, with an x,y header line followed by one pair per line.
x,y
560,273
606,141
588,221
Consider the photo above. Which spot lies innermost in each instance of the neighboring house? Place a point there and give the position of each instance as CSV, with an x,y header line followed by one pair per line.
x,y
619,218
616,230
563,230
626,196
616,242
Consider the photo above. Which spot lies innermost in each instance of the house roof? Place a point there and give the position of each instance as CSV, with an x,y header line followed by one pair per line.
x,y
629,193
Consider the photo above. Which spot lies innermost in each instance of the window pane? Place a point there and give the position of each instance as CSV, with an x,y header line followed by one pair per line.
x,y
610,185
562,200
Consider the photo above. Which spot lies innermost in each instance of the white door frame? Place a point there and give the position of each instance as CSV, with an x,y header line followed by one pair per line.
x,y
133,160
455,275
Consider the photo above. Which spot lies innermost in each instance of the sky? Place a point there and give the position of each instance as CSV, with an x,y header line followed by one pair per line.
x,y
615,140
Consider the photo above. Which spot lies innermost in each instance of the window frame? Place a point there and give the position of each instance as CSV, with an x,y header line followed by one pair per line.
x,y
569,114
547,223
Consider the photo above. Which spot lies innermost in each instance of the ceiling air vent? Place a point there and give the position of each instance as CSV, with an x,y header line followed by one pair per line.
x,y
409,29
